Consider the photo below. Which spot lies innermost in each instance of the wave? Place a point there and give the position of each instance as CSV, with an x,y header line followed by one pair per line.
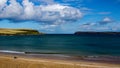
x,y
44,54
9,51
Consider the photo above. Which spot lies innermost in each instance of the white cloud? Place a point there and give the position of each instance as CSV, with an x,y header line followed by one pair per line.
x,y
11,11
107,19
2,4
50,28
51,13
28,10
106,24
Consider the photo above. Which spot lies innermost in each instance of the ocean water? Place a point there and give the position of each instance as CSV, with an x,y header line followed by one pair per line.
x,y
62,44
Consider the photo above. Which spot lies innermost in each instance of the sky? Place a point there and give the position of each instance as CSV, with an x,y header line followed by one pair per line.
x,y
61,16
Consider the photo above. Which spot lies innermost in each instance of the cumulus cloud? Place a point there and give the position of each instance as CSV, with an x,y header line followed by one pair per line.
x,y
106,24
106,20
50,13
2,4
50,28
10,11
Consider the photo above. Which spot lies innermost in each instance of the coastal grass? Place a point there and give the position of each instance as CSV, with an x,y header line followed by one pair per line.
x,y
5,31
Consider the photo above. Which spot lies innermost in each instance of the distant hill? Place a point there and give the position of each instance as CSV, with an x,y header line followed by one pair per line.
x,y
96,33
5,31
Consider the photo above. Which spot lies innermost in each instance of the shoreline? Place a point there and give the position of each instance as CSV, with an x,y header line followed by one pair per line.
x,y
68,62
58,56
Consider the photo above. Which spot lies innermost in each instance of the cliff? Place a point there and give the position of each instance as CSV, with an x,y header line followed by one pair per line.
x,y
5,31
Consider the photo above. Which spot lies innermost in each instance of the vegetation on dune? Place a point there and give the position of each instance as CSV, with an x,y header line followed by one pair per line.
x,y
4,31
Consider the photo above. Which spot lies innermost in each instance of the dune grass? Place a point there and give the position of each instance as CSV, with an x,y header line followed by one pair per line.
x,y
5,31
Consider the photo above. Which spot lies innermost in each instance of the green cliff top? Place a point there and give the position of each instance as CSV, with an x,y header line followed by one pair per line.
x,y
5,31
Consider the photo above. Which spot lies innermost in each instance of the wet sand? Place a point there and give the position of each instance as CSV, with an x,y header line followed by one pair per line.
x,y
23,61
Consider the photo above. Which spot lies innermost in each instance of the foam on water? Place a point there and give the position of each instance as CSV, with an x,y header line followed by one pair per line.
x,y
8,51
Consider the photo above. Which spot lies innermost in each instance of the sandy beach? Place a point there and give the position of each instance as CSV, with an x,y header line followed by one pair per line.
x,y
16,61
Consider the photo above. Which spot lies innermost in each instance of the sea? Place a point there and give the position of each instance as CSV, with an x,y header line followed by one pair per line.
x,y
62,44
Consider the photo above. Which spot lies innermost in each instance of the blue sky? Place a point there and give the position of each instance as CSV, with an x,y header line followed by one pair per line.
x,y
61,16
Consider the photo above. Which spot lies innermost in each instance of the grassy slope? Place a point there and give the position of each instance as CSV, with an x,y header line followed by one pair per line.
x,y
4,31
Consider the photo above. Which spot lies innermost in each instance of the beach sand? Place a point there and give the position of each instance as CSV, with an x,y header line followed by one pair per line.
x,y
16,61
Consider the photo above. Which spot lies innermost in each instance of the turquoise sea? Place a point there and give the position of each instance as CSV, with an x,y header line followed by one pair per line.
x,y
65,44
